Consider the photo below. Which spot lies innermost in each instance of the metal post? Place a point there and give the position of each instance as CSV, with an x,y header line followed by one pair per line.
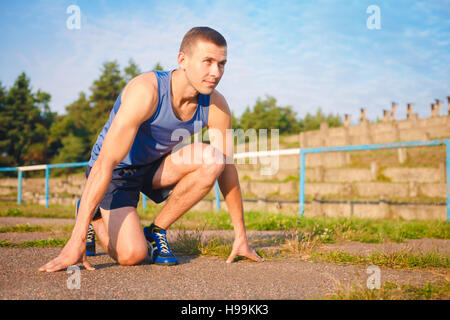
x,y
19,186
447,163
47,177
217,196
301,188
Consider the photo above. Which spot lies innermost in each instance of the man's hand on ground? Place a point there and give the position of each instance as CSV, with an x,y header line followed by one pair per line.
x,y
72,253
241,248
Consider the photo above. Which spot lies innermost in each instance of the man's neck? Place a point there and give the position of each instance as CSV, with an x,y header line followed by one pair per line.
x,y
183,94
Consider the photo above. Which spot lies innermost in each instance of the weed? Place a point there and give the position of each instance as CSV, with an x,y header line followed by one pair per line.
x,y
402,259
35,243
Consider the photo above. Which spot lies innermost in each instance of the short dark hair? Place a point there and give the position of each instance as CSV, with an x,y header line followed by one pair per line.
x,y
201,33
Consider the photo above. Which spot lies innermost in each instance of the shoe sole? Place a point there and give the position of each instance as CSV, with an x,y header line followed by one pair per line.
x,y
166,264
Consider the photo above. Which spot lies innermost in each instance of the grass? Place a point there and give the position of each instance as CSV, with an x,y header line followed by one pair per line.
x,y
381,177
188,242
25,228
374,231
415,157
34,243
192,242
326,229
394,291
402,259
35,228
301,236
294,242
32,210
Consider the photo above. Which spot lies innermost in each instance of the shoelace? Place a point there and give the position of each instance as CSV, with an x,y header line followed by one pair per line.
x,y
90,234
163,243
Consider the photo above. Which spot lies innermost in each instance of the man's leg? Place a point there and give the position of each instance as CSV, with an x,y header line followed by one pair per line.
x,y
194,178
120,234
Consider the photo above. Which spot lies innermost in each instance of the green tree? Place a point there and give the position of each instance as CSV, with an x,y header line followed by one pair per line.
x,y
5,159
105,92
73,135
24,124
131,71
158,67
42,100
73,150
313,121
265,114
234,121
73,126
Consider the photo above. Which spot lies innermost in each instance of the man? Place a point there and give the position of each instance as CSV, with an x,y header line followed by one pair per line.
x,y
135,153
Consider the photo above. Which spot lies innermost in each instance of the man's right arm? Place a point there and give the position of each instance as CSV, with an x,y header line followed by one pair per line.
x,y
138,105
139,100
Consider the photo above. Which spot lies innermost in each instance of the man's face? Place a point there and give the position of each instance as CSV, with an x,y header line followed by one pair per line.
x,y
204,66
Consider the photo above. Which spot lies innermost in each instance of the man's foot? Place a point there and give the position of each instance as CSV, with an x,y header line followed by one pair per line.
x,y
162,254
150,254
90,239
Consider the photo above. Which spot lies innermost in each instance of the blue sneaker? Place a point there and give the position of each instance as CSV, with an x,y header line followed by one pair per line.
x,y
90,239
161,252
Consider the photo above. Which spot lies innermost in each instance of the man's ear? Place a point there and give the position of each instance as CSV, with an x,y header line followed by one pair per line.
x,y
182,60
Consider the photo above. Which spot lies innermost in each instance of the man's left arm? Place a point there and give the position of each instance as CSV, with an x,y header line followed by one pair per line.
x,y
221,137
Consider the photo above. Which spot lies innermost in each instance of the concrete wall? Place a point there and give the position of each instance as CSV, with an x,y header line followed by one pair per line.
x,y
354,189
325,173
374,133
374,210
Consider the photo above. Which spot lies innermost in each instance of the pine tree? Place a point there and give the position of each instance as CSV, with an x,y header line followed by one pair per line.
x,y
5,159
25,130
158,67
131,71
73,128
105,92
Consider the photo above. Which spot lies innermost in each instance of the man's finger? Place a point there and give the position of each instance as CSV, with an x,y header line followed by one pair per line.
x,y
43,268
254,256
56,267
86,263
232,256
48,265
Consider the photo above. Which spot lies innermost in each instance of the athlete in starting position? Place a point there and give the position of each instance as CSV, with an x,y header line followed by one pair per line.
x,y
135,153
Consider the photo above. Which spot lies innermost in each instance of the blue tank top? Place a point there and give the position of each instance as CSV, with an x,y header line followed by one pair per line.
x,y
158,135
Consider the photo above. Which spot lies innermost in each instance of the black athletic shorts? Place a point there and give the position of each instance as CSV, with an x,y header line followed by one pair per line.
x,y
126,185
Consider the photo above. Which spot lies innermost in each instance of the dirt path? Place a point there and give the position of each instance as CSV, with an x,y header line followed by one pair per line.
x,y
193,278
197,277
260,237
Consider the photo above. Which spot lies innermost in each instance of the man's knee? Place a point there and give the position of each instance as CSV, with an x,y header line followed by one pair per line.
x,y
132,256
213,162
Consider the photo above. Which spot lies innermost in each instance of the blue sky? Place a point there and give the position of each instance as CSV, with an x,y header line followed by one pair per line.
x,y
308,54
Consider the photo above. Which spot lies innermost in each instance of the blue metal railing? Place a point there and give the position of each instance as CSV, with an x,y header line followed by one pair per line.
x,y
303,153
47,168
392,145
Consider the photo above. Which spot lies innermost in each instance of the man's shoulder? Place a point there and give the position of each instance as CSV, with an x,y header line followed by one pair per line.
x,y
219,112
141,93
145,81
144,84
217,100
